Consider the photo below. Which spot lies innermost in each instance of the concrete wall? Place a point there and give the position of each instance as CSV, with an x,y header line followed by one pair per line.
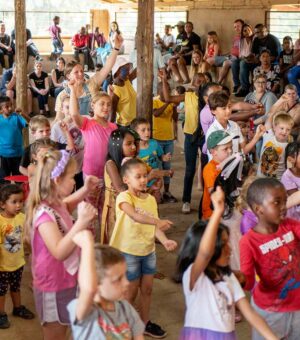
x,y
221,21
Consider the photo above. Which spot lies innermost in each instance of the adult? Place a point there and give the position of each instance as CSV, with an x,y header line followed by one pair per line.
x,y
32,50
57,43
88,88
271,71
58,77
96,40
263,41
114,31
8,87
225,61
5,47
183,57
80,43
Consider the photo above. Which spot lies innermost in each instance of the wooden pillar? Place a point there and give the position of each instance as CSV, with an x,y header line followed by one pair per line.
x,y
145,41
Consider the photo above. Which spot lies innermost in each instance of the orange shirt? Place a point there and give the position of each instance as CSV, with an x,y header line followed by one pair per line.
x,y
210,173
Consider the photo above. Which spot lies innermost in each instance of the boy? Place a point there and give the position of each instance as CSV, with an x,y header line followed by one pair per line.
x,y
271,249
11,138
220,107
219,144
272,157
151,153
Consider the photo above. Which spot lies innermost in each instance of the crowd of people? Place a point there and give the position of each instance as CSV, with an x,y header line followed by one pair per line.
x,y
101,162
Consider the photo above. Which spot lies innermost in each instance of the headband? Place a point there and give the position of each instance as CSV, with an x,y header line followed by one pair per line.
x,y
61,164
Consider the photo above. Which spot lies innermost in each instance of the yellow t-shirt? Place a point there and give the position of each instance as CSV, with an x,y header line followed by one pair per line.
x,y
11,243
132,237
163,128
191,112
126,109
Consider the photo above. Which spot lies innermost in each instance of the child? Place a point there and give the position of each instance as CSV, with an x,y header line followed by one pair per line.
x,y
272,157
96,132
220,106
39,83
100,311
286,60
271,249
211,51
54,255
11,251
134,234
152,152
11,138
291,177
55,32
219,144
61,132
203,267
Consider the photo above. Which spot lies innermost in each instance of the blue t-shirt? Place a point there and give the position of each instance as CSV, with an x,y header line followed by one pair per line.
x,y
152,154
11,141
6,77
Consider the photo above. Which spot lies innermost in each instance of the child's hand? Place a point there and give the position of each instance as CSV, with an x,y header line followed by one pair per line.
x,y
118,40
260,131
218,199
164,224
167,157
63,125
86,214
170,245
259,109
83,238
91,183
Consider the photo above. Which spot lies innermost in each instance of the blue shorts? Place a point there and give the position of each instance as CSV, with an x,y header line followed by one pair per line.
x,y
138,266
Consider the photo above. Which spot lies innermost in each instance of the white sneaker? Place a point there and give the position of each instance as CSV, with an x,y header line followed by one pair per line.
x,y
86,68
186,208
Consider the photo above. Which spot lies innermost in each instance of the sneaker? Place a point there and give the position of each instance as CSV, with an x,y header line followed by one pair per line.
x,y
4,323
86,68
23,312
154,330
169,198
38,58
186,208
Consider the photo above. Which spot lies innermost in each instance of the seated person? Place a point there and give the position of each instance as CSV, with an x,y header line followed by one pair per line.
x,y
5,47
286,57
294,72
96,40
58,77
80,43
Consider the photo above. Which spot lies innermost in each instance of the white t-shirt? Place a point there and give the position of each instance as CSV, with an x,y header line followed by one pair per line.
x,y
211,306
232,128
272,157
168,39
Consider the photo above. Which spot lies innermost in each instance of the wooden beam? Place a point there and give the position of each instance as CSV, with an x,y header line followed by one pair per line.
x,y
145,42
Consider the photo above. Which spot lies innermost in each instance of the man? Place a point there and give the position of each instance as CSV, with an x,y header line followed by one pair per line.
x,y
80,43
263,41
5,47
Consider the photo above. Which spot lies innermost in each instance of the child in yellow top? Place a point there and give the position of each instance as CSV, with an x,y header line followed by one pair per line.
x,y
11,251
137,225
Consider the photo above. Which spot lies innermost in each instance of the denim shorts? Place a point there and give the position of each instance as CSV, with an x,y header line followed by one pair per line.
x,y
138,266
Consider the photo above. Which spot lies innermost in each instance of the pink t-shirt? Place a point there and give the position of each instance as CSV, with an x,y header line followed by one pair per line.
x,y
235,48
54,31
96,139
49,274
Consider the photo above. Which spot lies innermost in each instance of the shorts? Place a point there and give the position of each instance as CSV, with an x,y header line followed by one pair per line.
x,y
137,266
52,306
11,279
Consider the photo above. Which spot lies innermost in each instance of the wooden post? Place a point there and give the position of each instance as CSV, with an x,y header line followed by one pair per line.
x,y
21,59
145,41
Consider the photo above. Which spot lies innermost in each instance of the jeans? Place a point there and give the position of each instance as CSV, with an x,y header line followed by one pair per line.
x,y
294,76
245,69
57,47
235,70
10,55
42,99
167,147
32,50
191,148
87,57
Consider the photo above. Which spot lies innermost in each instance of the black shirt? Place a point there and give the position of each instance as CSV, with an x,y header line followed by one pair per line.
x,y
190,41
39,81
270,42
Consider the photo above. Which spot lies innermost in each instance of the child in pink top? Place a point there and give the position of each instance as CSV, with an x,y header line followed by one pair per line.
x,y
55,258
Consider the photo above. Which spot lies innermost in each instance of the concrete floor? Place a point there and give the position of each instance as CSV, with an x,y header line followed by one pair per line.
x,y
168,302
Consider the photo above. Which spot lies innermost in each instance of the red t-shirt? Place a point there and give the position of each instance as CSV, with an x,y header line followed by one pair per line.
x,y
276,260
80,40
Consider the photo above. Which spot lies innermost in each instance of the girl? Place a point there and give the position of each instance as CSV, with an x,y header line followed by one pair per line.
x,y
291,177
54,254
211,51
113,33
196,64
58,77
11,251
134,234
203,267
96,132
100,311
40,87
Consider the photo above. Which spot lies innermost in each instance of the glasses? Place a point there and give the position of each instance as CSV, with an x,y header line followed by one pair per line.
x,y
261,82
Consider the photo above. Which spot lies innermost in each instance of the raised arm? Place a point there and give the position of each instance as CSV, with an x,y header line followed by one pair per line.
x,y
74,109
258,134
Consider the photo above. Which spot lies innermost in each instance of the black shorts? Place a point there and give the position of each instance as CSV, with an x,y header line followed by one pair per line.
x,y
11,279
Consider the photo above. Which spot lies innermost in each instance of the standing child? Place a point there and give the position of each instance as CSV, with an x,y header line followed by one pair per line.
x,y
11,251
11,138
271,250
203,267
134,234
54,255
55,32
100,311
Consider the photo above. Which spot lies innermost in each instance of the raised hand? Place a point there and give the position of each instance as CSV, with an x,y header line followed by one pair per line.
x,y
86,214
218,200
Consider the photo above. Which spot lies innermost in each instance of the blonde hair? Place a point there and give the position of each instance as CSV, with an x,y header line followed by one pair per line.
x,y
283,117
99,95
241,202
38,122
43,188
70,66
196,68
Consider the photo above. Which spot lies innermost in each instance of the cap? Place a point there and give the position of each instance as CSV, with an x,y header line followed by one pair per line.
x,y
216,138
180,23
121,61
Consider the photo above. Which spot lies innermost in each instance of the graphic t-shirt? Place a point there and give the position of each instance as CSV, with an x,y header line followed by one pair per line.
x,y
276,260
11,243
121,324
287,58
39,81
152,154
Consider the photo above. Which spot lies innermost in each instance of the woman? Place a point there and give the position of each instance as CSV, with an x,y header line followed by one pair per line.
x,y
196,64
271,71
114,30
58,77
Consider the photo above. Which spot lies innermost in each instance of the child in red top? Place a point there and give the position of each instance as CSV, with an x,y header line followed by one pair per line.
x,y
272,250
211,51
